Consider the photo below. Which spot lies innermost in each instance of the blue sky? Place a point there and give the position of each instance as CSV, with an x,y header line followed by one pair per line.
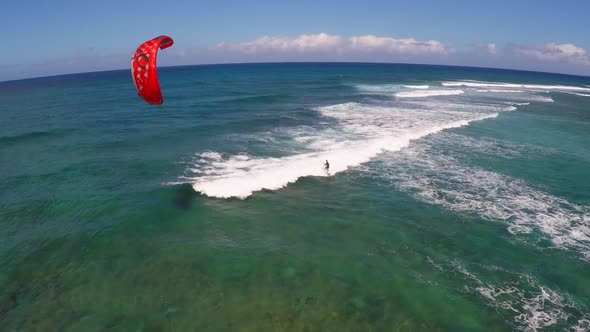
x,y
63,36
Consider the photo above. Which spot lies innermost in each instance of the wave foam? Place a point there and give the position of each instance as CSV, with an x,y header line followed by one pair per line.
x,y
419,87
579,94
440,179
364,131
500,91
513,95
387,89
480,84
431,93
378,88
518,104
211,155
531,305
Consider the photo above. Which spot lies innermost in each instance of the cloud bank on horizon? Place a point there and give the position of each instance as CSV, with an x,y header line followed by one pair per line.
x,y
323,42
554,52
551,57
370,47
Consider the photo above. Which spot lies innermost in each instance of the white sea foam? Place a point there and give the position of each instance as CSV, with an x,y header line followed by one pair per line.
x,y
541,99
532,306
378,88
459,106
211,155
457,145
364,131
479,84
438,178
240,178
579,94
583,325
387,89
419,87
374,121
429,93
353,134
517,103
500,91
514,96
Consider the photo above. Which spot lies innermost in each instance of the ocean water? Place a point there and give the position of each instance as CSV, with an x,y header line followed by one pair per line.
x,y
458,199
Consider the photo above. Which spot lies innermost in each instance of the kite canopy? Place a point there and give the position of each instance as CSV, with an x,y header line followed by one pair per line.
x,y
144,72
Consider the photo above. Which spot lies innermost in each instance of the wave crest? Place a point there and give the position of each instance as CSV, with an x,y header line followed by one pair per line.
x,y
431,93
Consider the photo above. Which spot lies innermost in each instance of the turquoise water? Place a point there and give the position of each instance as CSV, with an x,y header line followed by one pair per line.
x,y
457,199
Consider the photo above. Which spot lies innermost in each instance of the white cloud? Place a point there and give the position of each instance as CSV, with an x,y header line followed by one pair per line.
x,y
325,43
304,43
483,49
397,46
323,47
554,52
491,48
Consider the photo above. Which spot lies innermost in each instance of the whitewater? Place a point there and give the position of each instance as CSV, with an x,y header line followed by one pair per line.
x,y
358,133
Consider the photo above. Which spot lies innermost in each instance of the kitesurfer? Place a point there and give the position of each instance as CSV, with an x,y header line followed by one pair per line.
x,y
327,165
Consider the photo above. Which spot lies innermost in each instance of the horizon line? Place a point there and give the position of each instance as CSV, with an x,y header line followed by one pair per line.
x,y
305,62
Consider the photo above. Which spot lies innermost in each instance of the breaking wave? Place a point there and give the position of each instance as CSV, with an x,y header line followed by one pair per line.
x,y
429,93
361,132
